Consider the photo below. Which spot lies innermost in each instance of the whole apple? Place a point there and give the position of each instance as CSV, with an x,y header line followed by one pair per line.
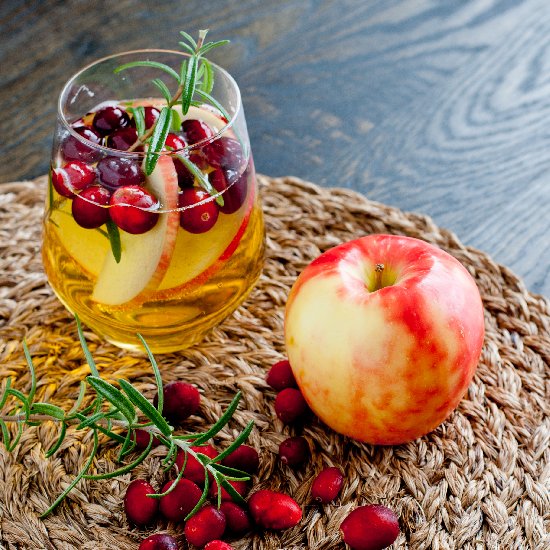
x,y
384,334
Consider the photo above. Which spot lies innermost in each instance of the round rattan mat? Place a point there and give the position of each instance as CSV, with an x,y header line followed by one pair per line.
x,y
480,480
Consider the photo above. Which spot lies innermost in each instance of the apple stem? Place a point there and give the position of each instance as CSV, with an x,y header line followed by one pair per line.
x,y
379,269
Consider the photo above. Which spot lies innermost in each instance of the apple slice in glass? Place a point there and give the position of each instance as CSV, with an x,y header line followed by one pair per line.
x,y
145,258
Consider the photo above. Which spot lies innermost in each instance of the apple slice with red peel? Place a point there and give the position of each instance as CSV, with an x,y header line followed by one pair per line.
x,y
145,258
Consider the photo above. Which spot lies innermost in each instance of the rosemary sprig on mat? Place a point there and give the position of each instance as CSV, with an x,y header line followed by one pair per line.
x,y
117,412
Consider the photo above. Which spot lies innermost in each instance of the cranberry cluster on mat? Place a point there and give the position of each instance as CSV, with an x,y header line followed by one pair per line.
x,y
109,186
371,527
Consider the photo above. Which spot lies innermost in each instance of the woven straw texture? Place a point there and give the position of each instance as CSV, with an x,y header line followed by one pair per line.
x,y
480,480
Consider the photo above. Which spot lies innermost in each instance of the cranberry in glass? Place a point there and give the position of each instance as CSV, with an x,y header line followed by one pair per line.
x,y
224,152
174,142
89,207
123,139
151,115
116,172
133,209
77,149
74,176
110,118
199,218
185,177
235,193
196,130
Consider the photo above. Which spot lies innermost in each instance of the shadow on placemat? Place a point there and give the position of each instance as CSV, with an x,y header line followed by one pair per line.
x,y
480,480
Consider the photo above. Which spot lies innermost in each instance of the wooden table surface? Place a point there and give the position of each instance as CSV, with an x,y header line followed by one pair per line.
x,y
437,107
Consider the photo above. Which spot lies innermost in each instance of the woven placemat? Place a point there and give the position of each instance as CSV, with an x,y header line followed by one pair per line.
x,y
480,480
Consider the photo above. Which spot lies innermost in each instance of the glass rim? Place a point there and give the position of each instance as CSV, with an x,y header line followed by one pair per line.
x,y
141,154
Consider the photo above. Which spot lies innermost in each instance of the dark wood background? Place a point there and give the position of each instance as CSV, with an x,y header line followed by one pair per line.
x,y
441,107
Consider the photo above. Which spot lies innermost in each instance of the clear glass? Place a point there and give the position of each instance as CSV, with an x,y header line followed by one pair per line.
x,y
176,280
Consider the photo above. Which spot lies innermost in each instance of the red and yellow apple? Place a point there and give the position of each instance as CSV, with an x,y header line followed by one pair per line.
x,y
384,334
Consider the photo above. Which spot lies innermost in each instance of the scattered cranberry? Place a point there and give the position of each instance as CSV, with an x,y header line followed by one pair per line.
x,y
218,545
140,509
108,119
159,541
89,208
206,525
224,152
123,139
290,405
273,510
132,209
151,115
174,142
327,485
234,194
280,376
181,400
243,458
180,501
196,130
76,149
74,176
236,517
194,470
142,440
371,527
116,172
294,451
240,486
197,218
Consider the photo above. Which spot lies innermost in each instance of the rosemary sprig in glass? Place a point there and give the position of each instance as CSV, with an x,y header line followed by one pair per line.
x,y
195,78
117,412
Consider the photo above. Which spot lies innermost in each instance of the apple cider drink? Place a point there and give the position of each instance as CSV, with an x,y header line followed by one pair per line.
x,y
153,223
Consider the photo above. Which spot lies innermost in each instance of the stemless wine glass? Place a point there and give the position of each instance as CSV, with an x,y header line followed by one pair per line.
x,y
167,255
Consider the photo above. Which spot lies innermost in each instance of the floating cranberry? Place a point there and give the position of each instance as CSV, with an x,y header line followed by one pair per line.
x,y
196,130
79,149
273,510
280,376
371,527
234,194
140,509
327,485
225,152
180,501
116,172
197,218
174,142
159,541
89,207
240,486
133,209
218,545
294,451
123,139
290,405
109,119
142,440
236,517
151,115
206,525
181,400
243,458
194,470
74,176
